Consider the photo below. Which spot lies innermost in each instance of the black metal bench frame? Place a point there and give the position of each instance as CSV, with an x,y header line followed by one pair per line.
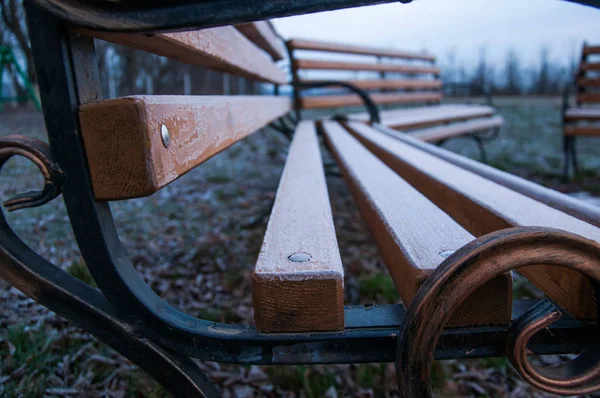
x,y
127,315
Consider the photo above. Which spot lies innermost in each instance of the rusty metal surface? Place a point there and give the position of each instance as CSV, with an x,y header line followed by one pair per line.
x,y
472,266
39,153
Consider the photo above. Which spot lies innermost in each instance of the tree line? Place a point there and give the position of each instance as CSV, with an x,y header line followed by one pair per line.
x,y
125,71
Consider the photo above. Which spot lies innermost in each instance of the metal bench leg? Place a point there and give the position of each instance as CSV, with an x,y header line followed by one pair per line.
x,y
476,264
566,157
574,156
480,146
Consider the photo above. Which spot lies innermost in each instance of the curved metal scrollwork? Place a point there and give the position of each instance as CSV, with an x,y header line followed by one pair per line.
x,y
471,267
73,299
39,153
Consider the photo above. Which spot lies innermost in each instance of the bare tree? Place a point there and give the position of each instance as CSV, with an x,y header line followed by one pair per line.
x,y
483,77
513,74
13,19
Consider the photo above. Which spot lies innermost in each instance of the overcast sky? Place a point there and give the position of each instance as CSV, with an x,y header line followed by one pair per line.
x,y
439,26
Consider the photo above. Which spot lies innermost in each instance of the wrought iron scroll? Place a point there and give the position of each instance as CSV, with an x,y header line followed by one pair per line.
x,y
468,269
73,299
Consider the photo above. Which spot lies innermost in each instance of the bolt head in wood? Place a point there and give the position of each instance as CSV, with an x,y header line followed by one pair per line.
x,y
164,135
447,253
300,257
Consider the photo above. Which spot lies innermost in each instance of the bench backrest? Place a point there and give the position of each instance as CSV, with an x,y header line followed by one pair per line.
x,y
138,144
392,76
588,76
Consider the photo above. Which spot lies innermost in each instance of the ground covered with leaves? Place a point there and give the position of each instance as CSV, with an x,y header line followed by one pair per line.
x,y
195,243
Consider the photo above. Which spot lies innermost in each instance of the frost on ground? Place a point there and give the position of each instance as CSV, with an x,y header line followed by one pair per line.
x,y
195,243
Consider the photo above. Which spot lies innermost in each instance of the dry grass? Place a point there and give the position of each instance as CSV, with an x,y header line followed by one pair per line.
x,y
195,243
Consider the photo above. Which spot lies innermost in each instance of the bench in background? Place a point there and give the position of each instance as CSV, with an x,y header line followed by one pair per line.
x,y
449,229
393,78
583,119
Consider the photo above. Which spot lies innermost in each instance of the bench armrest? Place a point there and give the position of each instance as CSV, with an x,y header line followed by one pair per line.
x,y
372,108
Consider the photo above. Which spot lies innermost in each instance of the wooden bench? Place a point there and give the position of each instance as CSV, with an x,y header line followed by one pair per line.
x,y
583,119
393,78
449,229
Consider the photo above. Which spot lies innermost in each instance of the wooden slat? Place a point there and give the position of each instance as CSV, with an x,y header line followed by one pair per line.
x,y
435,134
591,50
588,82
587,66
584,113
412,84
309,295
413,235
262,34
380,67
590,131
554,199
223,49
300,44
123,142
482,206
334,101
588,97
404,119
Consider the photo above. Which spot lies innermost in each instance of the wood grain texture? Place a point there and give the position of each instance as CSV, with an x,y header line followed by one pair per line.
x,y
301,44
411,84
435,134
380,67
223,49
412,233
589,131
588,97
591,50
263,35
300,296
334,101
411,118
482,206
123,142
583,113
550,197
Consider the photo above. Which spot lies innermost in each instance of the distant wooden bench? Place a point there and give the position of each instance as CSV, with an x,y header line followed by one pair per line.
x,y
394,78
449,229
583,119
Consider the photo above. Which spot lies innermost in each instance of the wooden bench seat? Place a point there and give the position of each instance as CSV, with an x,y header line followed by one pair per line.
x,y
298,281
391,77
441,133
582,114
443,224
427,116
583,118
414,236
482,206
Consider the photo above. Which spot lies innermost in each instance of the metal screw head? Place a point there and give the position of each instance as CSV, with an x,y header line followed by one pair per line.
x,y
447,253
164,135
300,257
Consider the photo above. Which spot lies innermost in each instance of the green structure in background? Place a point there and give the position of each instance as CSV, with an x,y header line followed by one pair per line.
x,y
7,58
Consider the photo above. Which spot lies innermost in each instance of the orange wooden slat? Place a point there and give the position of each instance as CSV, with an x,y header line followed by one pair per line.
x,y
412,84
482,206
263,35
582,113
380,67
334,101
224,49
435,134
412,233
589,131
301,44
298,282
411,118
124,142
